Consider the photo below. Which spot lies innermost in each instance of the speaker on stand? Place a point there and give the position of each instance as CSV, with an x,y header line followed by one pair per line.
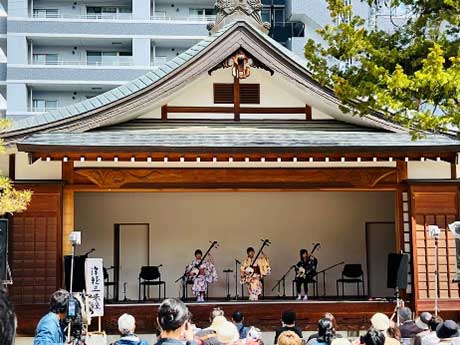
x,y
5,273
397,270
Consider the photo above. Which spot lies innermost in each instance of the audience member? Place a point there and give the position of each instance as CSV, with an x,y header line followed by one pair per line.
x,y
407,326
432,338
254,337
50,328
7,320
326,333
174,321
341,341
127,327
381,322
372,337
289,338
334,324
238,320
446,331
423,322
208,336
288,323
227,333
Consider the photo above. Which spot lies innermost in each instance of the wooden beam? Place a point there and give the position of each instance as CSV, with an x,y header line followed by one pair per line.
x,y
401,167
164,112
67,172
230,110
191,178
236,99
453,171
68,215
12,167
308,115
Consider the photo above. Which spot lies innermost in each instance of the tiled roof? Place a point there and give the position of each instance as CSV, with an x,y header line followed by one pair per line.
x,y
237,136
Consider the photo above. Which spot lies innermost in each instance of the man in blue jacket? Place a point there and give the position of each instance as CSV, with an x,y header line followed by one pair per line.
x,y
49,330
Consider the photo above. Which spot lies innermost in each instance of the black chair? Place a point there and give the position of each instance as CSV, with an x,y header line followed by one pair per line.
x,y
351,274
315,284
151,276
108,284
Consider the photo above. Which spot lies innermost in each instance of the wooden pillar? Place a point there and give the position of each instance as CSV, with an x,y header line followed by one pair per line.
x,y
236,99
453,168
68,207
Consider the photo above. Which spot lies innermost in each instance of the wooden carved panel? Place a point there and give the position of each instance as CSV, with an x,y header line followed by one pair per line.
x,y
239,178
434,205
35,247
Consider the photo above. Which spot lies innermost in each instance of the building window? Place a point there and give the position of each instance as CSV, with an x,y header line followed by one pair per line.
x,y
110,58
45,59
46,13
44,104
249,93
108,12
200,12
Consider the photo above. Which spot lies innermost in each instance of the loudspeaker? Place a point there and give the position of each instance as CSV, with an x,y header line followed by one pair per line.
x,y
397,270
3,249
78,272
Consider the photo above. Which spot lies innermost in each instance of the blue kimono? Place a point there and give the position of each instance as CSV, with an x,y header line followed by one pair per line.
x,y
130,340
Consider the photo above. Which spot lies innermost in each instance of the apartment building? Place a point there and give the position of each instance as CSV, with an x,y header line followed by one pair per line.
x,y
61,52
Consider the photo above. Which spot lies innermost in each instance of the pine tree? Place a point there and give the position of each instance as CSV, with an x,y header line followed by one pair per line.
x,y
410,74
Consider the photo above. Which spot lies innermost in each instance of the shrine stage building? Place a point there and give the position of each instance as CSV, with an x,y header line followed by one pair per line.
x,y
201,150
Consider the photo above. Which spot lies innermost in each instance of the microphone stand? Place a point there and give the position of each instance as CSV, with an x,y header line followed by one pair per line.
x,y
324,271
237,262
283,280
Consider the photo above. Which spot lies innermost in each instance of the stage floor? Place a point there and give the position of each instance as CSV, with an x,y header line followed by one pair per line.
x,y
264,314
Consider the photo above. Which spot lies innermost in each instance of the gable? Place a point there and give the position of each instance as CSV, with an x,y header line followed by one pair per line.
x,y
145,95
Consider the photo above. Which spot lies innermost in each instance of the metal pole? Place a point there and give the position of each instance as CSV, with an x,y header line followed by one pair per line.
x,y
436,278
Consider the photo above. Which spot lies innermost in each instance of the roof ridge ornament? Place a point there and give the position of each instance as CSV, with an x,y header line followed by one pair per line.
x,y
229,11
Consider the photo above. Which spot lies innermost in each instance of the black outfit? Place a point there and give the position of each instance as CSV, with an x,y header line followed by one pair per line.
x,y
316,335
409,329
310,271
166,341
294,329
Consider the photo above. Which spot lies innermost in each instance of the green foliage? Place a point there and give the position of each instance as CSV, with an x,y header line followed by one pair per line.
x,y
410,74
11,200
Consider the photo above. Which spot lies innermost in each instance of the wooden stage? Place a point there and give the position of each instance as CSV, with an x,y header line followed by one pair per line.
x,y
350,314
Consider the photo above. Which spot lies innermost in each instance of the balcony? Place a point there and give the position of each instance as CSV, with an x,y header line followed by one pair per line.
x,y
193,27
86,17
90,62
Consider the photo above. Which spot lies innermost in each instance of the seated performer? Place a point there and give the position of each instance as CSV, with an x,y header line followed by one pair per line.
x,y
252,274
201,273
305,271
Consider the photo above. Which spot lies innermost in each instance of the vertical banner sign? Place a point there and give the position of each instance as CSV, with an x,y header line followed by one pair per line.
x,y
94,276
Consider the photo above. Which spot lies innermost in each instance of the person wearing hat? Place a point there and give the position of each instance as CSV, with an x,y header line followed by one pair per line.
x,y
208,336
408,327
423,322
446,331
127,327
382,323
227,333
432,338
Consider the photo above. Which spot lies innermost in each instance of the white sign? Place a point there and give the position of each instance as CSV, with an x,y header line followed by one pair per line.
x,y
94,276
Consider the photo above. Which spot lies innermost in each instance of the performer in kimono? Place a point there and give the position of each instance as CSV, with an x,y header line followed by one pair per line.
x,y
201,273
253,273
305,272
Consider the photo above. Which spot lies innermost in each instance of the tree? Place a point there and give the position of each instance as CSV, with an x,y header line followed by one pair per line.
x,y
409,74
11,200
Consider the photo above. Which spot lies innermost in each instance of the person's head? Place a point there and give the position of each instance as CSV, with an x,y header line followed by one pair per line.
x,y
251,252
126,324
333,319
447,329
405,314
59,301
288,317
423,321
217,322
227,333
325,330
435,322
380,322
303,254
373,337
289,338
237,317
198,254
173,316
215,312
7,320
394,332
